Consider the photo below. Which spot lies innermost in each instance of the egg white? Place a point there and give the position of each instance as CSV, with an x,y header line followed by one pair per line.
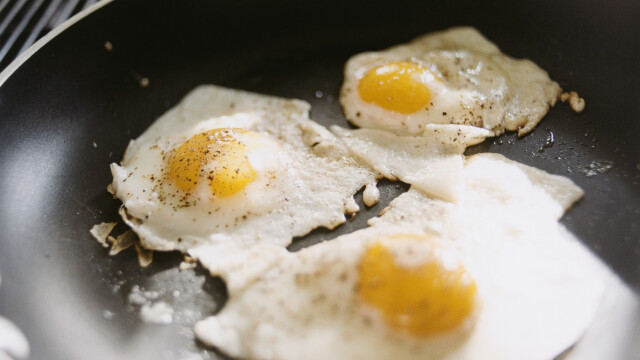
x,y
431,162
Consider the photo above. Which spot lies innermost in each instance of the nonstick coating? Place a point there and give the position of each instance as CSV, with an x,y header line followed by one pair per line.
x,y
71,109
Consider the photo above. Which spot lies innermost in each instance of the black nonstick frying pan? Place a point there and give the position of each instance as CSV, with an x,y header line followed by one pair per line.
x,y
70,108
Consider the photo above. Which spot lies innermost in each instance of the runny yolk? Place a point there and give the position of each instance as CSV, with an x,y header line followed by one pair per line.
x,y
424,300
216,157
394,87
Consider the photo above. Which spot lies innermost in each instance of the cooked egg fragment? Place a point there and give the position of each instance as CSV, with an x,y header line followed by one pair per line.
x,y
431,162
231,166
454,76
509,193
494,276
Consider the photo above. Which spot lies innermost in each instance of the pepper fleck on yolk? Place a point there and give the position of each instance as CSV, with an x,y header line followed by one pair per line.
x,y
215,156
394,87
423,300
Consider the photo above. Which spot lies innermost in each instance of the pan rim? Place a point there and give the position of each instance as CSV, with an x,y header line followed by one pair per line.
x,y
22,58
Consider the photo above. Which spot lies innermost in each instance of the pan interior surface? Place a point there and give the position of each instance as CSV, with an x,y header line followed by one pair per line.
x,y
71,109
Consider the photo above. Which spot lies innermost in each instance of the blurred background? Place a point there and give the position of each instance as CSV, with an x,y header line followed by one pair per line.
x,y
23,22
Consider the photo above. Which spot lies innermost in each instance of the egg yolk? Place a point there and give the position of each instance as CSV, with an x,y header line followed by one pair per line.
x,y
216,157
394,87
423,300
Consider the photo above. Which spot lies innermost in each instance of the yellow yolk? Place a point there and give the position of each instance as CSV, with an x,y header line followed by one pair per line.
x,y
216,157
424,300
394,87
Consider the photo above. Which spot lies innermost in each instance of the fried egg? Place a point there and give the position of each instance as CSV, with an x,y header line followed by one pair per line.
x,y
454,76
429,279
431,162
228,166
349,299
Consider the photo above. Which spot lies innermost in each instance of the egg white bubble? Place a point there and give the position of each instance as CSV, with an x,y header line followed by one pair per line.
x,y
305,175
471,82
538,287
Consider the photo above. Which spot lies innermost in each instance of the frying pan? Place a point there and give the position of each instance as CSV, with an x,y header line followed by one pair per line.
x,y
69,107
